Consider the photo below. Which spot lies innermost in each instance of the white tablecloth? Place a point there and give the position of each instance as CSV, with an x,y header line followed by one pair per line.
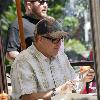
x,y
74,96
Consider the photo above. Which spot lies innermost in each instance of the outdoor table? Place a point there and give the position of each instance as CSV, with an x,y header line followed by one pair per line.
x,y
75,96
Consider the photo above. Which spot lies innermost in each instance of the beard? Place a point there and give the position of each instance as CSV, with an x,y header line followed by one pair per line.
x,y
39,14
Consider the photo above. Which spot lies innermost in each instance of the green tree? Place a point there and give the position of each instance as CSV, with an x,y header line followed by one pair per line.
x,y
56,9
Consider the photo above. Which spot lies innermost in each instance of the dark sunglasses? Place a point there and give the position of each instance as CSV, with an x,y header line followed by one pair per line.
x,y
55,41
40,1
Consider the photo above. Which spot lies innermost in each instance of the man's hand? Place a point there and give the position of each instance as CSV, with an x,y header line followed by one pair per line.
x,y
3,96
66,88
90,75
11,55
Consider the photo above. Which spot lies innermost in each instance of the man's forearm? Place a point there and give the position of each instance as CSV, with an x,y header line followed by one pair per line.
x,y
36,96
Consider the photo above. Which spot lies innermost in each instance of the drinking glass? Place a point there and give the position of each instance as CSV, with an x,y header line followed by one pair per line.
x,y
78,83
79,78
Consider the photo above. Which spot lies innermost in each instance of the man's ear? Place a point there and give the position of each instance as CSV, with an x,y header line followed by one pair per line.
x,y
38,38
28,5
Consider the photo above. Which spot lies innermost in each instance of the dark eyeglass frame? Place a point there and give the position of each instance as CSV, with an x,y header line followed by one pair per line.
x,y
54,41
40,1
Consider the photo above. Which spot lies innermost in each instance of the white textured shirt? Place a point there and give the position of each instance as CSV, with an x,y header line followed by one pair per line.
x,y
32,72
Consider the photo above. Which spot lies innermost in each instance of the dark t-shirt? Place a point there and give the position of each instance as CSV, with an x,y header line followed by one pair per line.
x,y
13,35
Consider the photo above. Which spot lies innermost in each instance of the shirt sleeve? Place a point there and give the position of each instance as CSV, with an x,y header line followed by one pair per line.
x,y
23,79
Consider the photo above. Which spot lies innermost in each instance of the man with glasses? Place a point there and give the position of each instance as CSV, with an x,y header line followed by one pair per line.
x,y
40,71
35,11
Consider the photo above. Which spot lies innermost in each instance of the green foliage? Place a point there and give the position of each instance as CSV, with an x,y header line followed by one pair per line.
x,y
83,3
8,16
55,11
56,8
72,23
76,45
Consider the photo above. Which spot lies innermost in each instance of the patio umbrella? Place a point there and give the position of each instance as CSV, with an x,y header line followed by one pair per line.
x,y
20,24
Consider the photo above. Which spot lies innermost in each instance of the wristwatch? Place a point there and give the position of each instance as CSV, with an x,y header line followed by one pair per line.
x,y
54,92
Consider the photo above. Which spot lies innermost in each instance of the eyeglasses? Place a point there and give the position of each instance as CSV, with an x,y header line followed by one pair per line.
x,y
40,1
54,41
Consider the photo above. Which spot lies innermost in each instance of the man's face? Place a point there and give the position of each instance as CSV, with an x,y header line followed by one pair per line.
x,y
50,46
39,8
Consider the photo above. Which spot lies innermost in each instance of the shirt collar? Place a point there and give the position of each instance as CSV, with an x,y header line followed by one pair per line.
x,y
31,19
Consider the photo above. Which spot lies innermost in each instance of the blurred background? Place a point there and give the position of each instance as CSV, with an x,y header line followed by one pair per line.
x,y
74,15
